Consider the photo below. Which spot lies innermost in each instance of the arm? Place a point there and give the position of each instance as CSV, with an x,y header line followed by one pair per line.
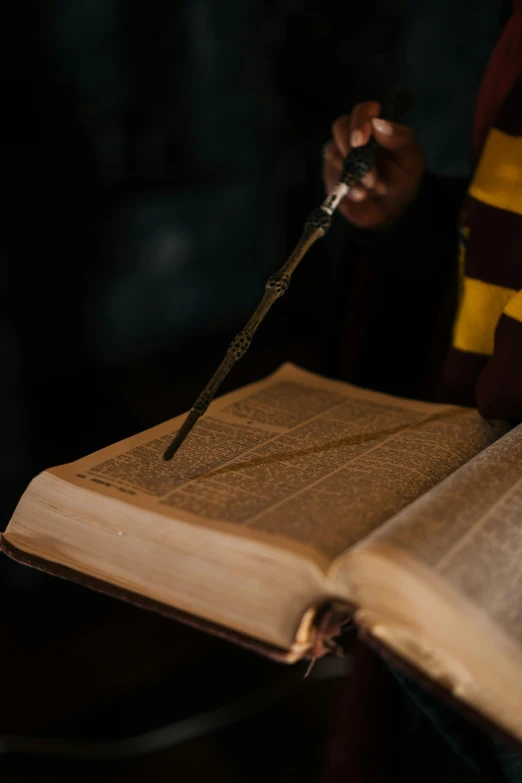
x,y
422,243
403,216
406,221
414,301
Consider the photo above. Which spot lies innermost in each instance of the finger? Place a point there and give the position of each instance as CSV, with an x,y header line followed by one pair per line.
x,y
357,193
332,154
370,179
331,173
360,122
394,137
341,134
332,165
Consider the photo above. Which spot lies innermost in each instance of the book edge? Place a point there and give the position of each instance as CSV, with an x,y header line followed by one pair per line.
x,y
434,688
313,638
325,621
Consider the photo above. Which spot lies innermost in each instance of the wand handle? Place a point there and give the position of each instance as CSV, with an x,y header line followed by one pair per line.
x,y
361,159
356,164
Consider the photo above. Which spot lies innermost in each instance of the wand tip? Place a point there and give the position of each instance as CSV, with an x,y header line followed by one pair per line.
x,y
180,435
173,447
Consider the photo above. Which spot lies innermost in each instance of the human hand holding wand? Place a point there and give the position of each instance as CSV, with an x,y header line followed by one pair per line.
x,y
358,162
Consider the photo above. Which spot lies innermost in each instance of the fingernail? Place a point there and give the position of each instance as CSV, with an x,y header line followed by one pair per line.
x,y
356,194
356,139
380,188
368,180
382,126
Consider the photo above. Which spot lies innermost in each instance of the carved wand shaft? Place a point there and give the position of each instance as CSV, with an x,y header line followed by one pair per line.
x,y
356,164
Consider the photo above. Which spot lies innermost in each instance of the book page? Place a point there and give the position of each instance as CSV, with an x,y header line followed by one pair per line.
x,y
469,529
297,457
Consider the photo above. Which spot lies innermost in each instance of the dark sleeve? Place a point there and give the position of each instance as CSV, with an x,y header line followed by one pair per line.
x,y
422,244
487,757
408,315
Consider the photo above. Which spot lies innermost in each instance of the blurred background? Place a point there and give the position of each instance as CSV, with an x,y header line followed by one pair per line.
x,y
157,162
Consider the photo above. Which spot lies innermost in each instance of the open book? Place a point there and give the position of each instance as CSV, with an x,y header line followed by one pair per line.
x,y
297,499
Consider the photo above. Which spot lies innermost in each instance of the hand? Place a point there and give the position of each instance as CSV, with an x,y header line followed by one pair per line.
x,y
385,192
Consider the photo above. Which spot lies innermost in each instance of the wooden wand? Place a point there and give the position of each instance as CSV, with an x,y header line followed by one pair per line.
x,y
356,164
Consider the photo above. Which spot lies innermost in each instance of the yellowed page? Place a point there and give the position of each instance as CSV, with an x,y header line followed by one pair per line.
x,y
469,530
296,457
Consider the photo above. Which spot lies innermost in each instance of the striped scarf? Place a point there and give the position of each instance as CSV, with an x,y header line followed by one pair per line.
x,y
484,364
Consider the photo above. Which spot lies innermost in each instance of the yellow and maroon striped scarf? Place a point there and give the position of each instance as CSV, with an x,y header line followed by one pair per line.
x,y
484,365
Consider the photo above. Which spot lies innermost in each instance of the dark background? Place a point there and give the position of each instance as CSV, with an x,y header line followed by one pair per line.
x,y
157,162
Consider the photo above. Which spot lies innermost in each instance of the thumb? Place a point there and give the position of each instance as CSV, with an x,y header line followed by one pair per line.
x,y
393,137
